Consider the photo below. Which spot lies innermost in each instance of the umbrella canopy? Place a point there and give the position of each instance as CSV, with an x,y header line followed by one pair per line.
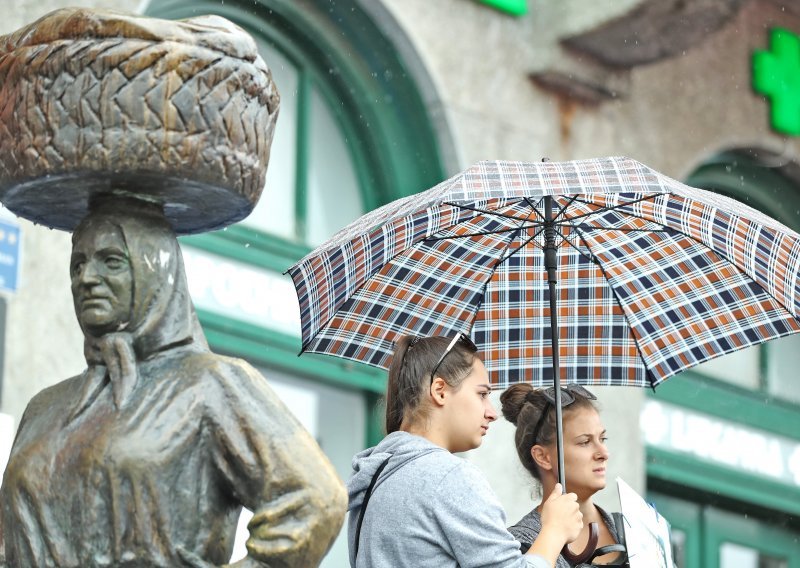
x,y
653,276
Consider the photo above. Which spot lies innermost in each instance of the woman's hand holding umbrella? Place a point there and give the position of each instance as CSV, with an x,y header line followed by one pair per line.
x,y
562,521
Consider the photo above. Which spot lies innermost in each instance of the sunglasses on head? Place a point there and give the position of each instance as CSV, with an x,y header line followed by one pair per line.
x,y
568,395
460,338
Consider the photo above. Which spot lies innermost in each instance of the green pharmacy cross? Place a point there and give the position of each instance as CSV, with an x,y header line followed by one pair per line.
x,y
513,7
776,74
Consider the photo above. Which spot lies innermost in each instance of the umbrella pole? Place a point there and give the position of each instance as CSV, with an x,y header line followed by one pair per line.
x,y
551,263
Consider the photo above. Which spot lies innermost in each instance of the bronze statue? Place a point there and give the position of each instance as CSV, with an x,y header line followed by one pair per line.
x,y
147,457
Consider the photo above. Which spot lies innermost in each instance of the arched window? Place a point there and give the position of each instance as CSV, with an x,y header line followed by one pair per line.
x,y
353,130
765,182
353,133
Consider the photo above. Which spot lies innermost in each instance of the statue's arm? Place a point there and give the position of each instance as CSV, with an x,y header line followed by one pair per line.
x,y
277,470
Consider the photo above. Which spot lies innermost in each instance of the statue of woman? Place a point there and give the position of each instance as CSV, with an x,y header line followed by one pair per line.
x,y
147,457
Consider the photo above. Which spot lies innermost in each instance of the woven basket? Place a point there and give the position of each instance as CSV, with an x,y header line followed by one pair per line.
x,y
96,102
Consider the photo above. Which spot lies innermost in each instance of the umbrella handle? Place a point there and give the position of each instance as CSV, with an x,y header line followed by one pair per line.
x,y
587,553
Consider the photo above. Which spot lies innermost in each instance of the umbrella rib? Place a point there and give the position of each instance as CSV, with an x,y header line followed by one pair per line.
x,y
532,205
648,374
560,212
480,234
485,211
621,229
505,257
496,264
502,259
591,258
606,209
563,210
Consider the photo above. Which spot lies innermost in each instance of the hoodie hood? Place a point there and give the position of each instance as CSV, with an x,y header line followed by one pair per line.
x,y
400,447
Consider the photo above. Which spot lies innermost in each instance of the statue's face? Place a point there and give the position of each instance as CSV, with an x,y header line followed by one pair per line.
x,y
102,280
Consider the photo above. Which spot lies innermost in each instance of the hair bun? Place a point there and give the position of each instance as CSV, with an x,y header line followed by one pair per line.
x,y
532,395
513,399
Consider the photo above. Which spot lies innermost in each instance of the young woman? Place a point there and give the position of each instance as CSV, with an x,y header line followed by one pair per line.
x,y
585,457
412,502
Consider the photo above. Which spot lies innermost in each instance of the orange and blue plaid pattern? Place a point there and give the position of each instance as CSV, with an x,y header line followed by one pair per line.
x,y
653,276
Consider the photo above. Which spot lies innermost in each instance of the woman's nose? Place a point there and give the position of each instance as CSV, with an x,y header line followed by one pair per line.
x,y
491,413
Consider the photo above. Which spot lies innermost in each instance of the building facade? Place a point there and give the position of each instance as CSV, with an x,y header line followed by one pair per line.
x,y
384,98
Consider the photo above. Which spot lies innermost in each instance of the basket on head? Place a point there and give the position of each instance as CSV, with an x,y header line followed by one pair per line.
x,y
180,113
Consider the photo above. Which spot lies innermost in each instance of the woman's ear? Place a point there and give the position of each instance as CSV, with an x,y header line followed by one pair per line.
x,y
541,457
438,391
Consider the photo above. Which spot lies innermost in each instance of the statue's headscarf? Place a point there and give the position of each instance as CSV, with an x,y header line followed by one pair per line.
x,y
161,316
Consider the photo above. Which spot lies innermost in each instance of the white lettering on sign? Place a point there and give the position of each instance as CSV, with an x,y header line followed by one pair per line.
x,y
721,442
241,291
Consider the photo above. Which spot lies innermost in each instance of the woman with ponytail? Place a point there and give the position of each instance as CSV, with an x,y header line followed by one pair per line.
x,y
585,456
411,501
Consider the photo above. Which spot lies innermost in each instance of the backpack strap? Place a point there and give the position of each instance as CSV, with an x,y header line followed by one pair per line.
x,y
364,504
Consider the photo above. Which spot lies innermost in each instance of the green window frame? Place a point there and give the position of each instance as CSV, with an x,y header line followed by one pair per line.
x,y
339,50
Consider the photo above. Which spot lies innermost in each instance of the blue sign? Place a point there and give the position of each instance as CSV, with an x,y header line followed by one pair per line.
x,y
9,256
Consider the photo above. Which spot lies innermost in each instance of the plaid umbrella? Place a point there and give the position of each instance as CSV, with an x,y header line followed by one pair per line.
x,y
653,276
605,268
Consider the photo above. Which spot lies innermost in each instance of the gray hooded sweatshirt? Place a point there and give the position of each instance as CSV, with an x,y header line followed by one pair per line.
x,y
428,508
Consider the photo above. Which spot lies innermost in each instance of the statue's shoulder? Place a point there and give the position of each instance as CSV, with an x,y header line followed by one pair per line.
x,y
224,380
206,365
58,395
203,359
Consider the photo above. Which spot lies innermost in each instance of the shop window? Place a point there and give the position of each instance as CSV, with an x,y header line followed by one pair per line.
x,y
275,211
353,131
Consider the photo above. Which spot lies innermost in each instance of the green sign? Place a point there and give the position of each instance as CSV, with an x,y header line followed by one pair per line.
x,y
515,7
776,75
